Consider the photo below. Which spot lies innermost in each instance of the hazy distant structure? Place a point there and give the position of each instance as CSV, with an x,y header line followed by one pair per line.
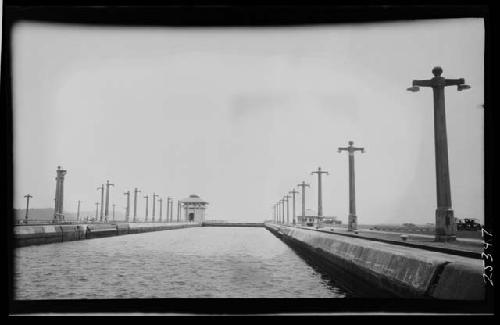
x,y
194,208
58,211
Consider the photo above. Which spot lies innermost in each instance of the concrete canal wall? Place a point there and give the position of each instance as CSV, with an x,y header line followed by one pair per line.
x,y
232,224
403,271
39,235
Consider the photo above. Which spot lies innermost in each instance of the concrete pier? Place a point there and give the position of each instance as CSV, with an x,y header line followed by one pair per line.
x,y
403,271
231,224
38,235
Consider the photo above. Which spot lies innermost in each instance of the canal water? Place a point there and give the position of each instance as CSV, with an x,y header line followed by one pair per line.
x,y
206,262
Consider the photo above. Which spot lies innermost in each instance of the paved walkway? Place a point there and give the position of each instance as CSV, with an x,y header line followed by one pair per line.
x,y
462,246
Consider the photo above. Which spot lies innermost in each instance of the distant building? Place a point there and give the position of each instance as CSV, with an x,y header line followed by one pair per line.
x,y
311,219
194,208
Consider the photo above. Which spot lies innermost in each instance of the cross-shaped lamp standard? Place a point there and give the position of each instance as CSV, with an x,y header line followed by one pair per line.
x,y
320,200
446,228
352,222
28,197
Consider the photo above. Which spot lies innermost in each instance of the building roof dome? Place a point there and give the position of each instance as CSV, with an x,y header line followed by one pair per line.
x,y
193,198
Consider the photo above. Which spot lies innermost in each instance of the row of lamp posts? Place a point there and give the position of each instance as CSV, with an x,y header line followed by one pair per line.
x,y
279,207
103,216
445,226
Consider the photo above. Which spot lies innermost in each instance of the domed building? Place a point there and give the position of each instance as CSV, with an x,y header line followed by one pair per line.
x,y
194,208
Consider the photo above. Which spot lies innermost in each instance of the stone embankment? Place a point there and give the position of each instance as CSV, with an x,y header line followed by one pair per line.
x,y
46,234
398,270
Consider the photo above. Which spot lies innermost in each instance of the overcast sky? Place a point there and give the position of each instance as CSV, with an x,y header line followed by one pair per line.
x,y
240,116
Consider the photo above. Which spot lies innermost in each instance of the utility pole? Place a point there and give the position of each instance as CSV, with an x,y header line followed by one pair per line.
x,y
127,211
146,197
154,204
28,197
102,200
106,209
352,222
135,203
303,185
160,200
320,200
293,192
446,228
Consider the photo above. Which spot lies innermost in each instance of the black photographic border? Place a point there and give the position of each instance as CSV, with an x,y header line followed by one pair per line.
x,y
224,14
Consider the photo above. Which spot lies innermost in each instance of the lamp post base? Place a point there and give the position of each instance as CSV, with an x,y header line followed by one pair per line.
x,y
352,222
446,227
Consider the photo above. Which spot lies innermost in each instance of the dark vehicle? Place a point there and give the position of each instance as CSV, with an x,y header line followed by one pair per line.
x,y
468,224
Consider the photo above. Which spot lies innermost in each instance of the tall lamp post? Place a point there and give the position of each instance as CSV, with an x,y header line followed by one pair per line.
x,y
283,213
446,228
160,200
352,222
28,197
146,197
274,213
106,208
303,185
78,212
168,209
320,200
96,210
154,205
286,198
127,210
135,203
102,200
293,192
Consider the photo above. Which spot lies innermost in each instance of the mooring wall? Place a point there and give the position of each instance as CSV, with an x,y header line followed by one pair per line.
x,y
403,271
39,235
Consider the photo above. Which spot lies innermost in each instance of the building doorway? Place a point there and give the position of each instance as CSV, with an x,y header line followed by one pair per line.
x,y
191,216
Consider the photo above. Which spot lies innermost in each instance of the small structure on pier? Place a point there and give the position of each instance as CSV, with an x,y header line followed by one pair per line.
x,y
311,218
194,208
